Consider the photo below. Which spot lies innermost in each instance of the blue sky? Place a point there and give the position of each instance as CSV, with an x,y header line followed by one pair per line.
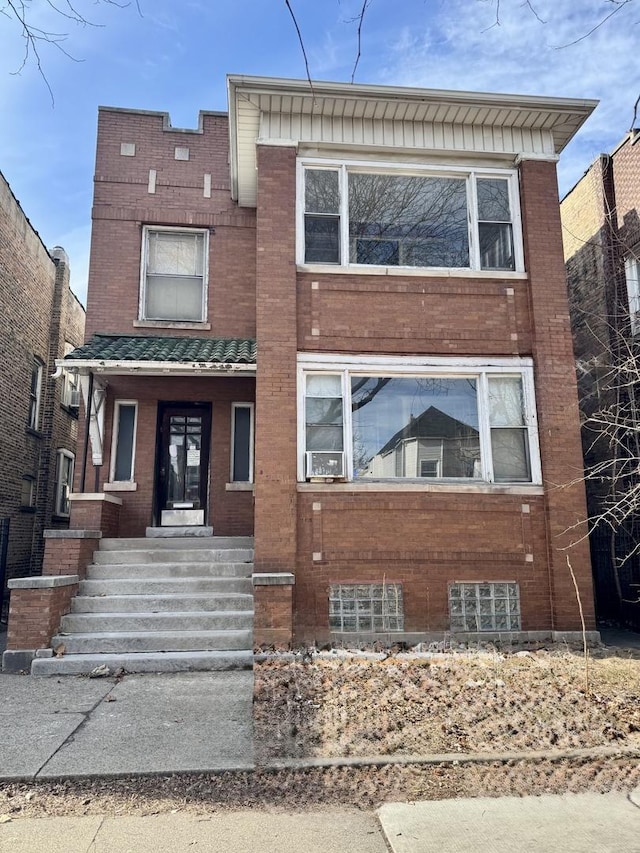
x,y
174,57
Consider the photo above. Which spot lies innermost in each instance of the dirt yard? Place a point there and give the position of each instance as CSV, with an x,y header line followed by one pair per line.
x,y
464,702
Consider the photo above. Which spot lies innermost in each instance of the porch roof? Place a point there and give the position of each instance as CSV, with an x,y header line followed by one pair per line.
x,y
112,353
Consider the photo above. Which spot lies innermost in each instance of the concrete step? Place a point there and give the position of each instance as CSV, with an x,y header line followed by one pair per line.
x,y
113,642
165,586
179,543
169,570
144,662
89,623
153,555
161,603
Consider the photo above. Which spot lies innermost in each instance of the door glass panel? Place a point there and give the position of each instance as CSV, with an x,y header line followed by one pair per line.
x,y
185,443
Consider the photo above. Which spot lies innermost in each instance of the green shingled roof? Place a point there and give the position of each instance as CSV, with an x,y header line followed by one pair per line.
x,y
166,349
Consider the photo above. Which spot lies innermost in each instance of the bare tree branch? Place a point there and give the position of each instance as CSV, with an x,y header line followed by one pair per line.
x,y
529,5
618,6
304,52
34,37
360,19
635,114
496,23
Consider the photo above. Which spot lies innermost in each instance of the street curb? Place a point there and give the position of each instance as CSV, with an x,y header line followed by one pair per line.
x,y
454,758
278,765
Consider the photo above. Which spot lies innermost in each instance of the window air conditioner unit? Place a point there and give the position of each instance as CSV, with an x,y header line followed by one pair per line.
x,y
322,463
74,398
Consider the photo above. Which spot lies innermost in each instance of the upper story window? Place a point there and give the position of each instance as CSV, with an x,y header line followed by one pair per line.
x,y
409,420
362,215
632,273
174,274
35,393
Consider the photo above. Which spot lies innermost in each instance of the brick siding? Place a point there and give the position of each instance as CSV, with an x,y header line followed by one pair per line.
x,y
39,314
424,540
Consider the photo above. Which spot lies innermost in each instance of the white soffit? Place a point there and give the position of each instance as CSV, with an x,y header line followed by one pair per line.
x,y
288,112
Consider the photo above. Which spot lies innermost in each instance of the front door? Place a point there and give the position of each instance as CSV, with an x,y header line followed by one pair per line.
x,y
182,467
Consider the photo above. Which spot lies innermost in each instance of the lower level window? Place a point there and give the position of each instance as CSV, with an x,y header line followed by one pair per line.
x,y
437,419
64,481
366,607
484,606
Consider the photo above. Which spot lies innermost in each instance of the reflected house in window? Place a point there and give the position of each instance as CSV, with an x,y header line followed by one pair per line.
x,y
431,445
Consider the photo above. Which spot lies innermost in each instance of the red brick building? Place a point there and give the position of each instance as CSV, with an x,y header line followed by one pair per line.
x,y
40,321
601,235
336,320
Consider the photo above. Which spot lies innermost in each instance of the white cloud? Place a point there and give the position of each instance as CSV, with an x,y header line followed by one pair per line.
x,y
460,49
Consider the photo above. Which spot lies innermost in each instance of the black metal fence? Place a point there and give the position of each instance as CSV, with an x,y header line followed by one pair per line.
x,y
616,576
4,546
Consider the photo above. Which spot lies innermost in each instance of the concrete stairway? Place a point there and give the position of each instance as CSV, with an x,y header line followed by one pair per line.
x,y
159,605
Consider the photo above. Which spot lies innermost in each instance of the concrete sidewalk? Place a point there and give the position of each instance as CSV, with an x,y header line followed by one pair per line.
x,y
574,823
175,722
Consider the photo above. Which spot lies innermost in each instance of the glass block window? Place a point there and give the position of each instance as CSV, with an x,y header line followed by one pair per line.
x,y
366,608
484,607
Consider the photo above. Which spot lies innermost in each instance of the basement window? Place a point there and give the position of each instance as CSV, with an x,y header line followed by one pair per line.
x,y
366,608
484,606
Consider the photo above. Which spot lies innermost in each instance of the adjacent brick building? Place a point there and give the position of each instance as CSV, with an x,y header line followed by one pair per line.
x,y
601,234
354,344
41,320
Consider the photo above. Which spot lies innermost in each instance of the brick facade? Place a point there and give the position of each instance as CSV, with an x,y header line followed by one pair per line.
x,y
601,229
39,316
423,535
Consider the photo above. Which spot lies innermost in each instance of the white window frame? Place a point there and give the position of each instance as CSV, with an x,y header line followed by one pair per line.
x,y
152,229
71,384
432,366
62,456
632,275
343,167
114,440
234,409
35,399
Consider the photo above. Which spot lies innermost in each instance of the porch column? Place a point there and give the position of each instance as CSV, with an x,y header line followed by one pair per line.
x,y
557,399
275,439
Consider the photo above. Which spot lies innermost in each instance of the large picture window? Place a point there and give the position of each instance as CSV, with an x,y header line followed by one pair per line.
x,y
355,215
420,419
174,275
